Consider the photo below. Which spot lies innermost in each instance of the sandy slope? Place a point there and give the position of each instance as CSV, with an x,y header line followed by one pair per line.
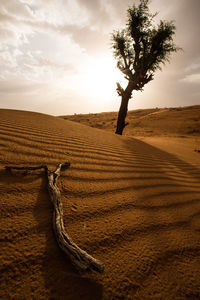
x,y
186,147
130,204
177,121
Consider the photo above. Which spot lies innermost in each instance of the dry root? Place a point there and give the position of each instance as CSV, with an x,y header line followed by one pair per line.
x,y
80,258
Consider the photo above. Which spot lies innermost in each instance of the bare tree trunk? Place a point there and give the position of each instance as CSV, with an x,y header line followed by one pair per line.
x,y
126,95
122,115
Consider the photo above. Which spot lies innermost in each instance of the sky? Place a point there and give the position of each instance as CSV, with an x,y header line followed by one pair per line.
x,y
56,56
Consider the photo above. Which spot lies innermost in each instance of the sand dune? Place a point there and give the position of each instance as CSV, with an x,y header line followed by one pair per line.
x,y
176,121
131,204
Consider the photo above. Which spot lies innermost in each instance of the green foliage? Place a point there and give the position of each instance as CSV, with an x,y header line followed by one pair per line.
x,y
141,47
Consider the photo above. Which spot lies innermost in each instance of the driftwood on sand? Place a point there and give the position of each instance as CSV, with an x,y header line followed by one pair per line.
x,y
80,258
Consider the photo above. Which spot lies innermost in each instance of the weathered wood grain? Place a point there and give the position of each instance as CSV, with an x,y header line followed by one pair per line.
x,y
80,258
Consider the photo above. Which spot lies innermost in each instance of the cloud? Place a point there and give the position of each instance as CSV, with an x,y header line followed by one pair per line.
x,y
45,47
15,9
192,78
23,87
194,67
33,48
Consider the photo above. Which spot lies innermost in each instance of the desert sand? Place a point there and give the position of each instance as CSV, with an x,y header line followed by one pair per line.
x,y
133,203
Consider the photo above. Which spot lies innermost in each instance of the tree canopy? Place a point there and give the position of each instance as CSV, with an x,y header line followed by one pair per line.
x,y
142,47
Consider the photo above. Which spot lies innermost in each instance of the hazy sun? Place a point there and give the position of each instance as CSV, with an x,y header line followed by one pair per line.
x,y
100,77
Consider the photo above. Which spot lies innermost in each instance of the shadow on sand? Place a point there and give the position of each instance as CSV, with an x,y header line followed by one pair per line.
x,y
62,280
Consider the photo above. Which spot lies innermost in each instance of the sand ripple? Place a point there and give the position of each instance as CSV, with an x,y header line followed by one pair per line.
x,y
131,205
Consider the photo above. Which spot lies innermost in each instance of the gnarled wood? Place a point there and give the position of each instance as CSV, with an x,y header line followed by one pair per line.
x,y
80,258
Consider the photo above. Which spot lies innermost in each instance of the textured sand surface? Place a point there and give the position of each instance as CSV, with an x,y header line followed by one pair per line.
x,y
177,121
134,206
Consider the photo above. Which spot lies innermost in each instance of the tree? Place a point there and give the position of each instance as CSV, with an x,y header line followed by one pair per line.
x,y
140,49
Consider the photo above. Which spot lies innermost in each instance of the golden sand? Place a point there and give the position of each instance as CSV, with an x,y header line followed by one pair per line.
x,y
131,203
176,121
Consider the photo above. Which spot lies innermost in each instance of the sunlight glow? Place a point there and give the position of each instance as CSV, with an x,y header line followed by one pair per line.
x,y
93,81
101,75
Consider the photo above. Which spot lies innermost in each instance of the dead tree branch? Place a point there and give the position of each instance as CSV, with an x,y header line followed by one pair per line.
x,y
80,258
